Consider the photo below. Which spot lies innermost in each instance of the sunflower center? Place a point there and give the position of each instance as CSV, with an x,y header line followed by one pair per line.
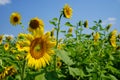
x,y
37,48
6,45
68,11
15,19
34,24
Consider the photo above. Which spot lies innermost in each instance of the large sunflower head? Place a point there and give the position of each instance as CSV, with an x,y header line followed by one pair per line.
x,y
15,18
36,24
67,11
39,51
1,38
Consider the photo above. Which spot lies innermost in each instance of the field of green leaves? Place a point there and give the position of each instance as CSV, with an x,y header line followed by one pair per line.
x,y
37,55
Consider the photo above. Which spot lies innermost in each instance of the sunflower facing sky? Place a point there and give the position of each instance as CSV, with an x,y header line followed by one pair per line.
x,y
39,50
67,11
15,18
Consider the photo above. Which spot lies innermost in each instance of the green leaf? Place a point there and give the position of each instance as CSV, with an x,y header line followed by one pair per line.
x,y
64,57
81,29
112,77
63,31
40,77
101,28
89,70
76,72
100,21
53,23
68,24
94,28
55,19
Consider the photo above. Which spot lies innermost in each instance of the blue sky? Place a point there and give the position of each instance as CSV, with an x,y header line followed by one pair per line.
x,y
106,10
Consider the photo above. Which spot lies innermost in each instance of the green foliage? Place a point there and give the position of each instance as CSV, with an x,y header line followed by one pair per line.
x,y
78,56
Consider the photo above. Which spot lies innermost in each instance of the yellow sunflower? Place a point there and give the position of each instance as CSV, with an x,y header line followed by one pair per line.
x,y
70,30
15,18
21,45
6,46
113,38
96,37
8,71
67,11
1,38
36,24
39,50
9,38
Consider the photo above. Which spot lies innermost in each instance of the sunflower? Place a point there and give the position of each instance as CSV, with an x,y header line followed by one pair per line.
x,y
1,38
96,37
8,71
67,11
70,30
36,24
113,38
39,50
9,38
15,18
21,45
6,46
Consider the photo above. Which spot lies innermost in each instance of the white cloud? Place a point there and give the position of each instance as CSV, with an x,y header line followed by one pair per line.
x,y
110,20
4,2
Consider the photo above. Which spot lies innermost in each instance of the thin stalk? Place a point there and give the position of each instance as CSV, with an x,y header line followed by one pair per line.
x,y
80,33
23,70
77,32
22,26
57,36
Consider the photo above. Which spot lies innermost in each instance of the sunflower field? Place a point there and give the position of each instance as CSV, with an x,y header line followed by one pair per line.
x,y
40,55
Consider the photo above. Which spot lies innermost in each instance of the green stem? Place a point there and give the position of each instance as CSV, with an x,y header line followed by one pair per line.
x,y
22,26
77,32
57,36
23,70
80,33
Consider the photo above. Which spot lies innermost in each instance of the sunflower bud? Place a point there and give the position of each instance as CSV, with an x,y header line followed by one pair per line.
x,y
86,24
70,30
80,23
108,26
52,32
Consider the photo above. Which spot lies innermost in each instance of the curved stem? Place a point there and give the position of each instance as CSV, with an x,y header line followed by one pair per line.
x,y
57,36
